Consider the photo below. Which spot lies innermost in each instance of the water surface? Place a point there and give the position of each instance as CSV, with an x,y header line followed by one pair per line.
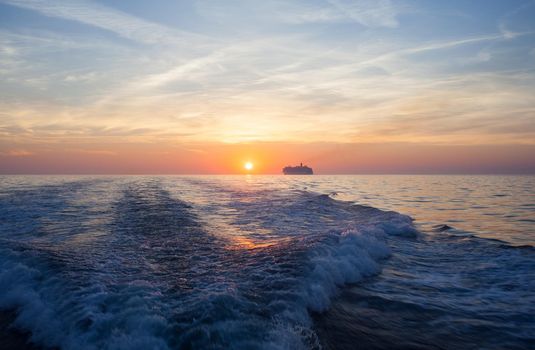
x,y
269,261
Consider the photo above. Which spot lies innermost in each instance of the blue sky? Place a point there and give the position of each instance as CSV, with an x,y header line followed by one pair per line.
x,y
350,71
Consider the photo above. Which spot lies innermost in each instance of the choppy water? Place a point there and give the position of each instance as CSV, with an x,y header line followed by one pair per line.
x,y
269,262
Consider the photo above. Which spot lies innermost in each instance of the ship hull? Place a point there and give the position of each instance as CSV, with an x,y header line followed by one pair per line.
x,y
297,172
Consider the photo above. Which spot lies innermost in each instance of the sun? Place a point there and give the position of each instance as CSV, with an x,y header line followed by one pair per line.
x,y
248,166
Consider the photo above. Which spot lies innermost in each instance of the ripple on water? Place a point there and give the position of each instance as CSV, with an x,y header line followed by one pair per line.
x,y
234,262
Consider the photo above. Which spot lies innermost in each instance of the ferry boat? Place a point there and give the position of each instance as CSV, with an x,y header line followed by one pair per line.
x,y
297,170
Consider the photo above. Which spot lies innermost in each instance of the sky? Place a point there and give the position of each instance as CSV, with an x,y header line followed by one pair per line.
x,y
203,86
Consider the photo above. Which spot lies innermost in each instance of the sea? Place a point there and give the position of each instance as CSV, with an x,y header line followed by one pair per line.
x,y
267,262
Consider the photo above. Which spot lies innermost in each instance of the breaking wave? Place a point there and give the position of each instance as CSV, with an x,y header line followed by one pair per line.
x,y
129,265
183,263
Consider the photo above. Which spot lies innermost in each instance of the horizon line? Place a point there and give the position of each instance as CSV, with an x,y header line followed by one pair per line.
x,y
272,174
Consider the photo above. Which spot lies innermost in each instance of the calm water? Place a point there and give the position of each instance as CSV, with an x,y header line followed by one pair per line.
x,y
268,262
498,207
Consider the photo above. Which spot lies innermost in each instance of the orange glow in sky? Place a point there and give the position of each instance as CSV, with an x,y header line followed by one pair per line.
x,y
250,87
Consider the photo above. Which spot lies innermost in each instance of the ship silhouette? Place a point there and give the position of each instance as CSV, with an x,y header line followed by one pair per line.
x,y
297,170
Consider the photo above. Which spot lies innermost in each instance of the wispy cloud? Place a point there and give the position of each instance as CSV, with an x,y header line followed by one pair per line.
x,y
371,13
97,152
17,153
274,70
107,18
508,20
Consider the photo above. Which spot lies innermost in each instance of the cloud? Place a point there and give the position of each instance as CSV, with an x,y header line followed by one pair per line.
x,y
262,79
84,77
94,152
13,130
453,43
370,13
506,32
313,15
17,153
511,18
104,17
181,70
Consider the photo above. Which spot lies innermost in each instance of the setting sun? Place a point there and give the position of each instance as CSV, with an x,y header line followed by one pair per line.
x,y
248,166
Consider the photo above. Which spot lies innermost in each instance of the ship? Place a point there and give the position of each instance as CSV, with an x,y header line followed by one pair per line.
x,y
297,170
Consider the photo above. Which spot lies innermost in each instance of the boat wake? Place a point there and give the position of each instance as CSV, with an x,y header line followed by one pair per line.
x,y
160,263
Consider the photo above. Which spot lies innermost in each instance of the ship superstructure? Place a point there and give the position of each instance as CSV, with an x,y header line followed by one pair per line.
x,y
297,170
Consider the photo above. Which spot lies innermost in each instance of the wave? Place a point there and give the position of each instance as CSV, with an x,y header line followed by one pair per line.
x,y
458,291
445,229
158,276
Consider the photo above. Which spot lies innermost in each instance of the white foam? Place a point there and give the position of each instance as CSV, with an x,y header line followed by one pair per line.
x,y
96,312
339,259
71,318
353,255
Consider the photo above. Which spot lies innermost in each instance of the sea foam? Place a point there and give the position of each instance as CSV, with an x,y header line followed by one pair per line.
x,y
157,277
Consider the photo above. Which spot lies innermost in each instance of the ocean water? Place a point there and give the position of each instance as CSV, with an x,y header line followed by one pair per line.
x,y
267,262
